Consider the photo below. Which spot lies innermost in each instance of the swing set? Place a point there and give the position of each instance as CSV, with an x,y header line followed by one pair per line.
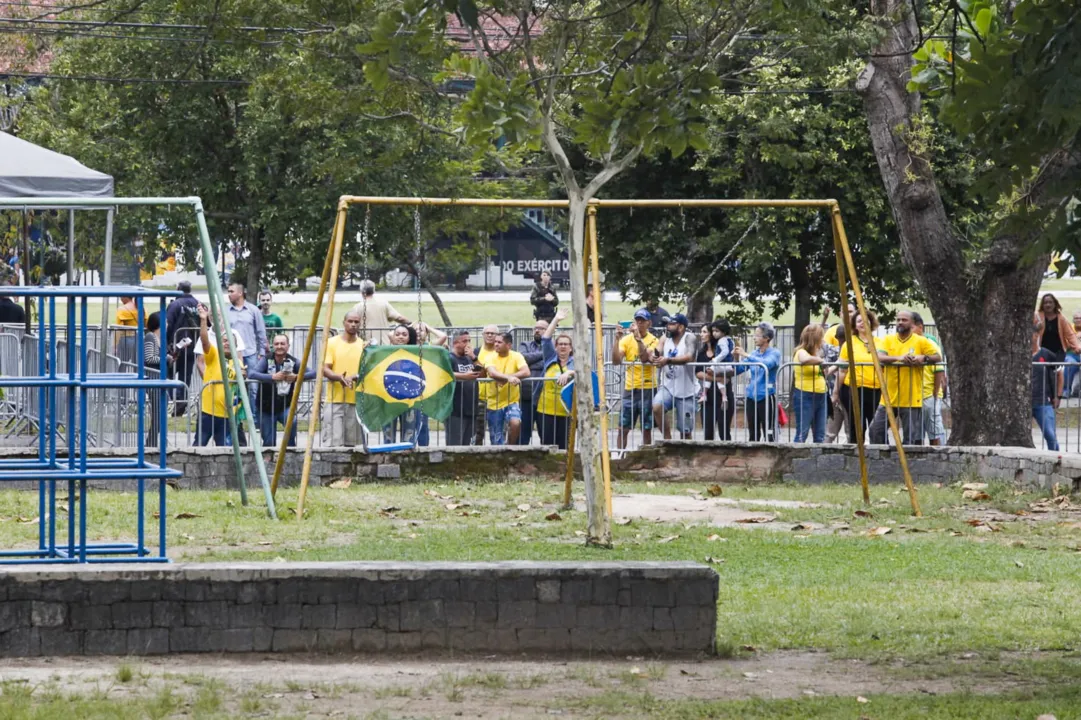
x,y
846,272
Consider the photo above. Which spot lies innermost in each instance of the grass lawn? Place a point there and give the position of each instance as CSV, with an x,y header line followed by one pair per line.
x,y
980,596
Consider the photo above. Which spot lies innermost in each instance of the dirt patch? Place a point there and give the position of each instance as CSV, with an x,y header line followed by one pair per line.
x,y
480,688
720,512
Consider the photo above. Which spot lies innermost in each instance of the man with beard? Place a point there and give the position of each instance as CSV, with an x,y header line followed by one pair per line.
x,y
679,387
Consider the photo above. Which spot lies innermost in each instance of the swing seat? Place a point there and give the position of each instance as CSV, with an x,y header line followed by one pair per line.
x,y
392,447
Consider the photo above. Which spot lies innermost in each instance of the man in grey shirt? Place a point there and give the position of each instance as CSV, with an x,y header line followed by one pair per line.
x,y
247,321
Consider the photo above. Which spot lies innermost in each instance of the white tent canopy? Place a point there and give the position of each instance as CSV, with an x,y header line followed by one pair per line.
x,y
27,171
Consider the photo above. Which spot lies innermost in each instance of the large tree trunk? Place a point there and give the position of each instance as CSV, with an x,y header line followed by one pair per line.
x,y
253,278
587,436
801,290
983,307
700,305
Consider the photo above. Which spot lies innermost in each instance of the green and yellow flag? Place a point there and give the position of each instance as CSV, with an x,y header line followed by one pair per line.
x,y
396,378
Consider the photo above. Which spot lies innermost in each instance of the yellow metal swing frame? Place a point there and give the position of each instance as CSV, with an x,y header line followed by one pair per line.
x,y
846,272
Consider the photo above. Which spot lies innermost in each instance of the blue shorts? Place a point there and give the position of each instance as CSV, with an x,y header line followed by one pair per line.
x,y
685,408
637,404
497,420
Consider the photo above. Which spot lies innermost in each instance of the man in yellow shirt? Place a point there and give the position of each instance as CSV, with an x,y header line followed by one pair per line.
x,y
485,353
904,355
934,391
506,368
831,333
340,426
637,349
214,412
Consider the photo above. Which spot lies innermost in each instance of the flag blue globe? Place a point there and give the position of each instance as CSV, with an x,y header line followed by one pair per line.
x,y
404,380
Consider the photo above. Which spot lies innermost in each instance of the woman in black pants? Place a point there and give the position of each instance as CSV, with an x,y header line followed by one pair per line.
x,y
721,331
717,400
867,391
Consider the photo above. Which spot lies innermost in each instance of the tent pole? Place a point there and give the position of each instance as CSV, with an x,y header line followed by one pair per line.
x,y
71,247
104,345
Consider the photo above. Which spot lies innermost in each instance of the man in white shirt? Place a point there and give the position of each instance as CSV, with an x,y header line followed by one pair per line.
x,y
376,316
679,387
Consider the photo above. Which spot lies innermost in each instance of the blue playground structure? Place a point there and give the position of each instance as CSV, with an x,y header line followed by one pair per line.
x,y
64,379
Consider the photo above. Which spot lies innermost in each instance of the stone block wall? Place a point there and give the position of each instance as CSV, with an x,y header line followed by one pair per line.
x,y
512,607
673,461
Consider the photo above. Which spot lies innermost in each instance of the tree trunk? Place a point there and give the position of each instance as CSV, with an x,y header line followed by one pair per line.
x,y
252,280
587,436
801,291
700,305
983,307
427,285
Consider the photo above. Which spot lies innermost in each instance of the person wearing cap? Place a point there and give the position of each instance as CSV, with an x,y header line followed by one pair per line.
x,y
679,387
640,379
761,398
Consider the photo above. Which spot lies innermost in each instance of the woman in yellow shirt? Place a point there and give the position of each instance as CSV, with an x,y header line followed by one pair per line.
x,y
868,391
558,371
809,386
127,315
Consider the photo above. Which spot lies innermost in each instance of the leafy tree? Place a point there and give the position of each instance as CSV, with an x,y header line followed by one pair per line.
x,y
618,81
979,257
786,145
268,127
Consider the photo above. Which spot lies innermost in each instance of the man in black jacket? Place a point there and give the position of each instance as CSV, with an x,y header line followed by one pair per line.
x,y
277,375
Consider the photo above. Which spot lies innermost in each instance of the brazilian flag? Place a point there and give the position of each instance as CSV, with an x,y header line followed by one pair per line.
x,y
396,378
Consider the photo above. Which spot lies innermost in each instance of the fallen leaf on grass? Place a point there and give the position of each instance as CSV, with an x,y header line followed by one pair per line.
x,y
623,521
710,560
1018,563
390,509
954,533
341,483
975,495
524,507
651,484
755,520
264,542
749,648
668,539
750,675
806,526
974,486
715,537
714,490
553,516
186,516
864,514
862,700
882,530
26,520
579,533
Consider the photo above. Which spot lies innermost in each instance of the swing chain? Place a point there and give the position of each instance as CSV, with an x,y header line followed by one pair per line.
x,y
417,261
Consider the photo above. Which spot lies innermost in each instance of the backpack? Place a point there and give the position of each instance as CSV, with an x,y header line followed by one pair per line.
x,y
187,326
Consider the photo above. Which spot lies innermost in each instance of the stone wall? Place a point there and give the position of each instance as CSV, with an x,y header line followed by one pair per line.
x,y
674,461
512,607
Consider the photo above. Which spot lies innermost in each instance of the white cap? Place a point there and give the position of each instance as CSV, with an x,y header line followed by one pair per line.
x,y
237,344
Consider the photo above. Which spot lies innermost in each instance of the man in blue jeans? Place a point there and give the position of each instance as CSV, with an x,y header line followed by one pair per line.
x,y
1046,391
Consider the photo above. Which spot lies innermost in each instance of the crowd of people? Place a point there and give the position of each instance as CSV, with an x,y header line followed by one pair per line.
x,y
676,380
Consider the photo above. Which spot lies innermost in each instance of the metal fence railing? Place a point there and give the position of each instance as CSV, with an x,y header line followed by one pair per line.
x,y
728,402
